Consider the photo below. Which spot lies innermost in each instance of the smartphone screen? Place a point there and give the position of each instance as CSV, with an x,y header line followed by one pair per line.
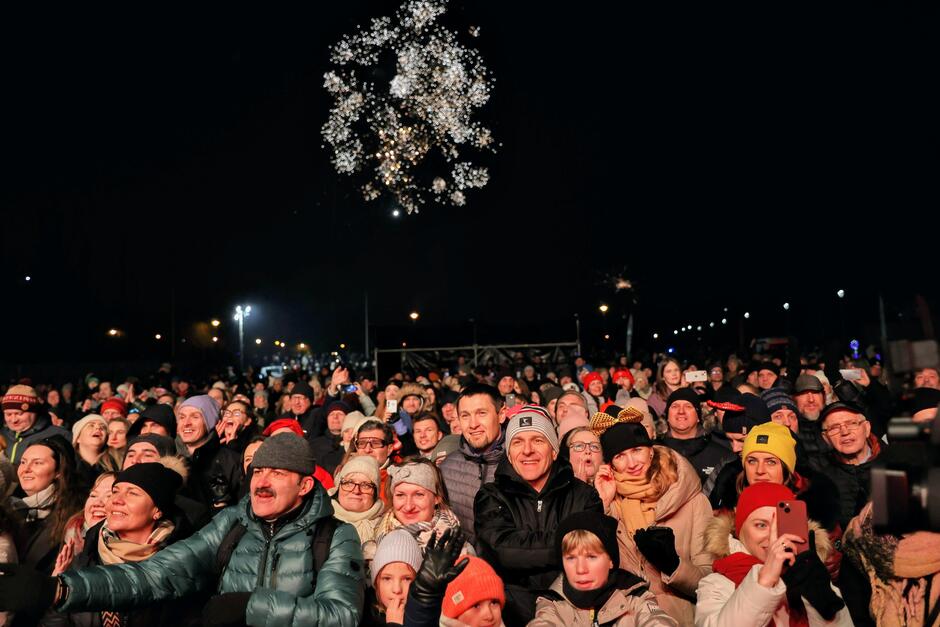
x,y
851,374
791,518
696,375
391,406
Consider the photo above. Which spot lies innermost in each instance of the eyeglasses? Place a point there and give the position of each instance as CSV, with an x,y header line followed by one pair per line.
x,y
370,443
350,486
578,447
234,413
848,426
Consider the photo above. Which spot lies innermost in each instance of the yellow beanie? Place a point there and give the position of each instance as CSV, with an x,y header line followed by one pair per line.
x,y
774,439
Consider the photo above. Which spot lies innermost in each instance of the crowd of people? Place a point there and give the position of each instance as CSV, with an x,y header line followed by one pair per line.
x,y
626,493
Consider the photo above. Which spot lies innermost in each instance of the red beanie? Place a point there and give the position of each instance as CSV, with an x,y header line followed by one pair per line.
x,y
478,582
113,403
590,377
623,373
282,423
759,495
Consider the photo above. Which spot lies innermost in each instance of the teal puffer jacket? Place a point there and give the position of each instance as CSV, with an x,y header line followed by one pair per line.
x,y
278,572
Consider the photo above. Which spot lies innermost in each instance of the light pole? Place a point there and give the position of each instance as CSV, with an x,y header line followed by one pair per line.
x,y
240,315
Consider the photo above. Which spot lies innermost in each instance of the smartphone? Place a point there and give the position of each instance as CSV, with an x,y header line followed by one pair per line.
x,y
391,406
851,374
696,375
791,518
510,400
348,389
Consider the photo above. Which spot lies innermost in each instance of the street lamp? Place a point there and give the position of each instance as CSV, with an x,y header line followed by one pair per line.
x,y
240,315
158,337
414,315
215,322
841,293
604,308
258,341
113,332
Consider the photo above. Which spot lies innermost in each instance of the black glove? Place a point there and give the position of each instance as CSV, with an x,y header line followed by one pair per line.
x,y
658,545
808,578
219,488
226,610
438,568
25,589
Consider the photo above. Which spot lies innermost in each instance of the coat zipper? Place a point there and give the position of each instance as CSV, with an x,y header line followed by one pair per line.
x,y
264,558
277,558
539,506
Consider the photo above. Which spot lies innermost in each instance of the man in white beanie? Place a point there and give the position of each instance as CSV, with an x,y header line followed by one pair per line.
x,y
517,515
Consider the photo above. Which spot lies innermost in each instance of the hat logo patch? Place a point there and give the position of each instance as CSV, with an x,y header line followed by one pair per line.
x,y
525,421
763,439
457,597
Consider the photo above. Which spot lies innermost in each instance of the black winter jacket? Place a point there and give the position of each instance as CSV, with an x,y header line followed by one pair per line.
x,y
702,452
515,528
215,475
853,481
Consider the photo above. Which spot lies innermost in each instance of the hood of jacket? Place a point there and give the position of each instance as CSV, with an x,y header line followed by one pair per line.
x,y
720,541
686,487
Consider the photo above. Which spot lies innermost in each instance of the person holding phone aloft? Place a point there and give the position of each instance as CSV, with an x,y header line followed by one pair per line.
x,y
758,578
656,497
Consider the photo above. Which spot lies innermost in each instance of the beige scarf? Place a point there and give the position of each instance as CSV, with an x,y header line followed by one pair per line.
x,y
638,501
113,550
40,504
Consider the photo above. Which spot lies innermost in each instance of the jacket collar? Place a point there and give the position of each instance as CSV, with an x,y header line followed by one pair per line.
x,y
490,455
559,476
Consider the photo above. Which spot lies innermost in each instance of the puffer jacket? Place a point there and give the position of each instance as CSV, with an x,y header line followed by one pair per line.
x,y
41,429
853,481
276,569
465,472
720,604
633,606
684,509
516,525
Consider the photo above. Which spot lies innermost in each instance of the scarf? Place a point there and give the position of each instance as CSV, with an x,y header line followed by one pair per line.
x,y
40,504
638,501
353,517
595,600
114,550
736,567
423,531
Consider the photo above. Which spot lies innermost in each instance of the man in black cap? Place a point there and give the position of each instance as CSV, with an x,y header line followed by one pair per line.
x,y
687,437
157,419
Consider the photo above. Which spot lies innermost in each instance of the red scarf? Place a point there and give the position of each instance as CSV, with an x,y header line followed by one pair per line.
x,y
736,567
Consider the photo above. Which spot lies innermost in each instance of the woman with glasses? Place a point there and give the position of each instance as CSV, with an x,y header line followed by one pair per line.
x,y
582,449
355,496
237,426
377,440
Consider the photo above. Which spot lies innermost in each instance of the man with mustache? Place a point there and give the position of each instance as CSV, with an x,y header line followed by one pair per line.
x,y
258,551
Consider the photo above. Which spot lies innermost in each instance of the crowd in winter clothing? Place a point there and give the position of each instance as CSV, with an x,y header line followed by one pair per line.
x,y
630,494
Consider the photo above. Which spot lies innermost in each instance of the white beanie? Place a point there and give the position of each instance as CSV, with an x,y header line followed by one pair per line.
x,y
84,422
532,418
396,546
366,464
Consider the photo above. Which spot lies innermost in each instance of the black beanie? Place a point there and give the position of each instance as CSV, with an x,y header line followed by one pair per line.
x,y
302,387
164,445
686,394
158,481
623,436
604,527
161,414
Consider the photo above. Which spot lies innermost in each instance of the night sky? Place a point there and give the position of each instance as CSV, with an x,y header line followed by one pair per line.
x,y
161,165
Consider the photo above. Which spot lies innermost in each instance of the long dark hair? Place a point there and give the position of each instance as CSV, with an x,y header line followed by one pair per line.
x,y
68,498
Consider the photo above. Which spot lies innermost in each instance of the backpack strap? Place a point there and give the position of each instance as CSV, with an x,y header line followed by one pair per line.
x,y
227,546
322,538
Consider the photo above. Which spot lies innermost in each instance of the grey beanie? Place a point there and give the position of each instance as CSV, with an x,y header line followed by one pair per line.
x,y
396,546
286,451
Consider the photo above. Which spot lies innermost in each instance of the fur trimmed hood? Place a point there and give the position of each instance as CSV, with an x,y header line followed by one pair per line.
x,y
720,541
176,464
414,389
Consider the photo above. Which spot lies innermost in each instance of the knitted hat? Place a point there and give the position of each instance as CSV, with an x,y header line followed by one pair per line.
x,y
160,414
207,406
746,412
550,392
156,480
164,445
604,527
447,445
623,436
285,451
478,582
365,464
21,397
354,420
532,418
84,422
774,439
114,403
303,388
768,365
590,377
569,424
413,389
685,394
763,494
776,398
641,406
284,423
809,383
396,546
419,474
623,373
337,406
